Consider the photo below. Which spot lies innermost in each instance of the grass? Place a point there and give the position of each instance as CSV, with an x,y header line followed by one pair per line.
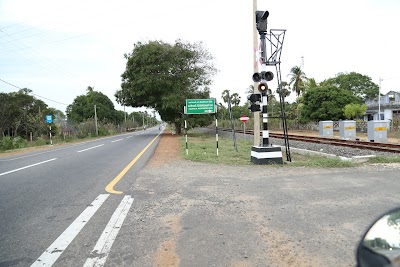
x,y
381,159
202,148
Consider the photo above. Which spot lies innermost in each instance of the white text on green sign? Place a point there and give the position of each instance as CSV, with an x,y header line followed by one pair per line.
x,y
200,106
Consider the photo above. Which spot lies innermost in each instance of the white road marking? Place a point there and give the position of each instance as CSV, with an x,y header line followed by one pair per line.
x,y
89,148
103,246
52,253
129,136
4,173
116,140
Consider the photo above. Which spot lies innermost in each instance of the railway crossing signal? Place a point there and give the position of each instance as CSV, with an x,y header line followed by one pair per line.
x,y
254,98
264,75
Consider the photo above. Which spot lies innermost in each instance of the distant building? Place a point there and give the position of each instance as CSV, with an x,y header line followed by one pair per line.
x,y
390,107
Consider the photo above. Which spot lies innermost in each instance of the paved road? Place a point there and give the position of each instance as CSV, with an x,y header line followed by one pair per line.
x,y
219,215
59,195
180,213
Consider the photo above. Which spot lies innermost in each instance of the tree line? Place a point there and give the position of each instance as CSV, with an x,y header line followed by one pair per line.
x,y
23,118
161,76
336,98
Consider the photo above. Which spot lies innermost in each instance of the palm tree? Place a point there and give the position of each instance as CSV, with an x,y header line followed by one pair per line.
x,y
235,98
311,83
224,95
285,90
297,79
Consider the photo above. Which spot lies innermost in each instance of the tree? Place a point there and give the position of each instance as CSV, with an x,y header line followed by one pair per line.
x,y
83,107
297,79
162,76
360,85
235,98
285,89
21,114
352,111
326,103
224,96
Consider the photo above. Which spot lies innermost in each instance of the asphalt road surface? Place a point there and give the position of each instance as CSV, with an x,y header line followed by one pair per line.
x,y
65,205
172,212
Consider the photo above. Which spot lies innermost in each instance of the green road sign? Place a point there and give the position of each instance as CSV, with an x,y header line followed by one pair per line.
x,y
200,106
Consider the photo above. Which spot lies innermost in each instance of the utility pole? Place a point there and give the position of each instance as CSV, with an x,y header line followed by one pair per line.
x,y
95,120
255,60
379,99
125,115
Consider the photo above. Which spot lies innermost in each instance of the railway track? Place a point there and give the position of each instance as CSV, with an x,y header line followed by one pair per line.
x,y
386,147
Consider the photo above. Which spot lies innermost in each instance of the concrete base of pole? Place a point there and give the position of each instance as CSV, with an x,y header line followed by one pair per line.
x,y
266,155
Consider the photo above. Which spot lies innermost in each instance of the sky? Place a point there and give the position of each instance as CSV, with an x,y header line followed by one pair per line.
x,y
382,230
59,48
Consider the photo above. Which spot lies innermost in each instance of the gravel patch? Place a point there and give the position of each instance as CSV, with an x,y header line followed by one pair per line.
x,y
323,148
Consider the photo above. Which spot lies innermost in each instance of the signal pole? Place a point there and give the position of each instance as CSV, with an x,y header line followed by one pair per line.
x,y
255,68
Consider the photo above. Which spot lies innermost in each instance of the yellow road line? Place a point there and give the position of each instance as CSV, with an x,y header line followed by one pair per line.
x,y
110,186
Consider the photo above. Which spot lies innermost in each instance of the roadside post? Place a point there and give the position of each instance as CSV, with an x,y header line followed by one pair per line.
x,y
49,119
186,139
244,119
201,106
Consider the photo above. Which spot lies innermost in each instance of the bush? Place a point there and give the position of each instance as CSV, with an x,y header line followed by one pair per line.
x,y
19,142
40,142
6,143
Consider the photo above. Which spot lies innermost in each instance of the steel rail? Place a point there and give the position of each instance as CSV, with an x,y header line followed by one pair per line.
x,y
386,147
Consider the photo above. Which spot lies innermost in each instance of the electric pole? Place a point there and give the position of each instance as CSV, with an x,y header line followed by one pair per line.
x,y
95,120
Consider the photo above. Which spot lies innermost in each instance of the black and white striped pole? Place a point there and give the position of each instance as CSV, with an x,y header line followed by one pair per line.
x,y
265,132
216,126
186,138
265,153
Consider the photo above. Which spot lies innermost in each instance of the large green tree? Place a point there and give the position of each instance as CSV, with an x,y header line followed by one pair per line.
x,y
360,85
326,103
352,111
83,108
21,113
162,76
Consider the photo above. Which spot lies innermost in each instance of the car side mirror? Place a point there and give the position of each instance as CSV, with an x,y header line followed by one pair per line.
x,y
380,245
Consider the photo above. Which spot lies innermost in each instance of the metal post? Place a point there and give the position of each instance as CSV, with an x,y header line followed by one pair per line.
x,y
216,127
255,69
244,130
232,123
186,137
51,139
95,120
187,149
379,100
265,133
125,115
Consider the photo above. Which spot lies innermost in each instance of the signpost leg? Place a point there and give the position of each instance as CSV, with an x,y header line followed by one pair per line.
x,y
187,149
244,130
51,140
216,131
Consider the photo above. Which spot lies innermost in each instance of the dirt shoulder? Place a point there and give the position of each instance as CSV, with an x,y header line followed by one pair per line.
x,y
220,215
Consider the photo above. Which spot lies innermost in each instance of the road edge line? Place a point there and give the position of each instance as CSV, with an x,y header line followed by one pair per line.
x,y
110,187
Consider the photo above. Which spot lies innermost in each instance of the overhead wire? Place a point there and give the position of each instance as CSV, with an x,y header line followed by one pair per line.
x,y
33,93
40,58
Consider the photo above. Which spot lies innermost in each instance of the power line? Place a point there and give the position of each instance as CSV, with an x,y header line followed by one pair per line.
x,y
33,93
40,58
42,44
